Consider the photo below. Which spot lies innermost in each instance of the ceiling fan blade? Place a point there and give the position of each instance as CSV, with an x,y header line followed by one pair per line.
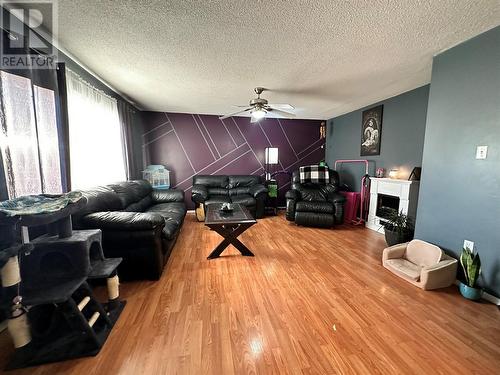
x,y
234,113
281,113
281,106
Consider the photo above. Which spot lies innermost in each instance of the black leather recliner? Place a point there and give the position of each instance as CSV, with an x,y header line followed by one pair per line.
x,y
315,205
246,190
138,223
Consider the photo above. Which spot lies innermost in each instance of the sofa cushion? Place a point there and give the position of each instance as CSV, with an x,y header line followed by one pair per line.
x,y
131,191
314,206
218,199
243,181
423,253
217,191
312,193
211,181
101,198
179,207
239,190
141,205
177,217
405,268
245,199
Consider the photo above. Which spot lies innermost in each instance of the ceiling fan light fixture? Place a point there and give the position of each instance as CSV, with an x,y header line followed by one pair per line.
x,y
258,113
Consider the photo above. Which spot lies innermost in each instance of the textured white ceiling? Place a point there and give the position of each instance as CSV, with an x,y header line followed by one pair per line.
x,y
324,57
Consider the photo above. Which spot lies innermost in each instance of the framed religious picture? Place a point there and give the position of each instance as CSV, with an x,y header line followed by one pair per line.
x,y
371,131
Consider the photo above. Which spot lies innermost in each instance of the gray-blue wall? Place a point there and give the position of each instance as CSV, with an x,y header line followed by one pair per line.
x,y
459,195
403,128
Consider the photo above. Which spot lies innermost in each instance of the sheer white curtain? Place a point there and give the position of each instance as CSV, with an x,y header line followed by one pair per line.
x,y
95,136
48,140
28,137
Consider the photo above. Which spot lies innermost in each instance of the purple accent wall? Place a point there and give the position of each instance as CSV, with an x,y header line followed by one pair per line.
x,y
190,144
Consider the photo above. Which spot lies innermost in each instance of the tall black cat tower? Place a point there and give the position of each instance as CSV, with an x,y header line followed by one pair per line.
x,y
52,312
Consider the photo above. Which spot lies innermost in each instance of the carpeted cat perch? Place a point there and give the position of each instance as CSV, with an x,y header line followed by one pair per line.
x,y
52,312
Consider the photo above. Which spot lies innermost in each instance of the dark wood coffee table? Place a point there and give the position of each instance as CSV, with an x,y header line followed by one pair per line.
x,y
229,225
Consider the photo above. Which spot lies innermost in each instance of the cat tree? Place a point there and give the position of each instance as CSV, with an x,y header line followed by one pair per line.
x,y
52,312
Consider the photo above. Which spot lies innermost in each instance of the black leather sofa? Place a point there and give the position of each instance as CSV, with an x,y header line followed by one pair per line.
x,y
245,190
315,205
138,223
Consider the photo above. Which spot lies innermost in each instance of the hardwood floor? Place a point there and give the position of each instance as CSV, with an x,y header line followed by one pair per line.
x,y
311,301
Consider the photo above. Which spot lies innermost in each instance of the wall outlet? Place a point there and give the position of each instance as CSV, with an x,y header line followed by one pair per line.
x,y
481,152
468,244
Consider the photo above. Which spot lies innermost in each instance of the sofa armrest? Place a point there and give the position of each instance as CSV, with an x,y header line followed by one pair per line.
x,y
292,196
440,265
199,193
439,275
336,197
118,220
257,189
167,196
394,252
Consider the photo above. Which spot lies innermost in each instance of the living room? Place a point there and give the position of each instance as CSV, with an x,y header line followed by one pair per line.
x,y
239,187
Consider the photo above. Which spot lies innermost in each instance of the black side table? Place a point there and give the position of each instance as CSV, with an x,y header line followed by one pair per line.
x,y
271,207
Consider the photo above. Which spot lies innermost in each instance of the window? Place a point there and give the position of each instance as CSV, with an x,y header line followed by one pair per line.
x,y
28,137
95,137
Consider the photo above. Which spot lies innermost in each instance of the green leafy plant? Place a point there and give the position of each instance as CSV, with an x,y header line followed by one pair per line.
x,y
397,222
471,264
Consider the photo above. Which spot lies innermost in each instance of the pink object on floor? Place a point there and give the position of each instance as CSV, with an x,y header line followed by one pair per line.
x,y
351,206
365,190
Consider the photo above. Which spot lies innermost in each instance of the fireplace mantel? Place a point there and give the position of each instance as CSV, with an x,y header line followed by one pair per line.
x,y
406,191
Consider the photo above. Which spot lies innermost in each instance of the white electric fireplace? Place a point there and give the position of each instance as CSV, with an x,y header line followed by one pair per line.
x,y
386,193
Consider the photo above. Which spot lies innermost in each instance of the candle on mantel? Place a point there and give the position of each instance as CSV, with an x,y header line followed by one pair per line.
x,y
393,173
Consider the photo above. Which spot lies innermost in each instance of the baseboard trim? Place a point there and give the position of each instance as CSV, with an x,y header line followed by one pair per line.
x,y
491,298
486,296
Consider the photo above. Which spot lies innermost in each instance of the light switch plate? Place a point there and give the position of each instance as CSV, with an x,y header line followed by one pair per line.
x,y
468,244
481,152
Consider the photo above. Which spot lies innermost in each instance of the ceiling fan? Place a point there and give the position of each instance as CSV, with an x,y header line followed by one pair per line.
x,y
259,108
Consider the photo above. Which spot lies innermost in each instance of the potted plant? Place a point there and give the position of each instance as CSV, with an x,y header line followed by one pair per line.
x,y
398,227
471,264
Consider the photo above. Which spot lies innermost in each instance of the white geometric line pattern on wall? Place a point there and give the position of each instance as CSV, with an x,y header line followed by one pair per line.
x,y
288,140
183,149
191,144
237,127
209,136
212,163
205,138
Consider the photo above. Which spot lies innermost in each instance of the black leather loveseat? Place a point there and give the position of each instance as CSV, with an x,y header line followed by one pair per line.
x,y
245,190
315,205
138,223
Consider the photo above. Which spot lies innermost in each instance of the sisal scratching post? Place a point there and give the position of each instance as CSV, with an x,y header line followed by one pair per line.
x,y
18,328
17,324
10,272
113,284
200,212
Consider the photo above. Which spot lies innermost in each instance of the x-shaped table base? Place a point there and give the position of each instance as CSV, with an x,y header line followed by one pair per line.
x,y
230,232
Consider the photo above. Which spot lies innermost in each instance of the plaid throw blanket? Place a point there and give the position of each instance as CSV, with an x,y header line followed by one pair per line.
x,y
315,174
38,204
